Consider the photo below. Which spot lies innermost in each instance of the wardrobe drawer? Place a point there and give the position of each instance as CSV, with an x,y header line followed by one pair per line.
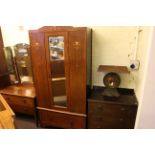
x,y
61,120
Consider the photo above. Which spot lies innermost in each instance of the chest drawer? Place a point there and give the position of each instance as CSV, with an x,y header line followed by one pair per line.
x,y
105,109
55,119
21,104
101,122
110,116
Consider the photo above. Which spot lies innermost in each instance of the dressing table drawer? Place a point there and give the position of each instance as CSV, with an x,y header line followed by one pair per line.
x,y
21,104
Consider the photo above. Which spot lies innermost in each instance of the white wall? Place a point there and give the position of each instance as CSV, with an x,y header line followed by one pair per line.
x,y
142,52
146,112
13,35
116,45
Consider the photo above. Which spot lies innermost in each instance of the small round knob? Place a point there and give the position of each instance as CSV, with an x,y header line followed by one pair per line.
x,y
7,98
25,109
132,66
36,44
121,119
71,123
51,119
99,107
99,118
122,109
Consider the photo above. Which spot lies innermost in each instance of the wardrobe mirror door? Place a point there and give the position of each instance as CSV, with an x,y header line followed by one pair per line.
x,y
57,69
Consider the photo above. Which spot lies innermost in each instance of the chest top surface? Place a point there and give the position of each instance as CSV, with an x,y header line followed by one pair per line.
x,y
127,97
22,90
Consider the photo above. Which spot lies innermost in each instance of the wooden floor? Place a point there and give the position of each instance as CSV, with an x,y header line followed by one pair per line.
x,y
25,122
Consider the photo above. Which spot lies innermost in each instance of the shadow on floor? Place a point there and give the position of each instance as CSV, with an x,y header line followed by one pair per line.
x,y
28,122
25,122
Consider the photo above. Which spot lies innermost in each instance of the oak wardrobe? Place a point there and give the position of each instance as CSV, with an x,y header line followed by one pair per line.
x,y
61,62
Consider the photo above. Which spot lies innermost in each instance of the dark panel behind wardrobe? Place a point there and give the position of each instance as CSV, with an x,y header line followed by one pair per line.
x,y
4,76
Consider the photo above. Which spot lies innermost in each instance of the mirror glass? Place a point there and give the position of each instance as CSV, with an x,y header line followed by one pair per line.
x,y
58,77
14,76
19,63
23,62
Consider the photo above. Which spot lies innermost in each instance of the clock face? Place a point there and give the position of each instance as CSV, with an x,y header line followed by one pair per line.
x,y
111,80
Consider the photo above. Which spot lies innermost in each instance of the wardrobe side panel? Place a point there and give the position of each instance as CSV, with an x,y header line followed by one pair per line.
x,y
39,68
77,58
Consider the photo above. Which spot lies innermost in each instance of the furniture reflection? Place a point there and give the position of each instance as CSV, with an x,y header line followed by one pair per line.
x,y
11,65
18,63
23,62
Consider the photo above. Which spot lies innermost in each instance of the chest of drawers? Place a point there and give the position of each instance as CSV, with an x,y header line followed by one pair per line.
x,y
21,104
119,114
21,98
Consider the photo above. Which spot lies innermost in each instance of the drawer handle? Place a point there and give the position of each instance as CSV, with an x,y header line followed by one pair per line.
x,y
121,119
7,98
71,123
100,127
99,118
24,101
51,119
122,109
100,107
25,109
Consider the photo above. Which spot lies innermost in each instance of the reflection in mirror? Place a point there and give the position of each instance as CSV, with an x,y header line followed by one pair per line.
x,y
58,78
11,65
23,62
